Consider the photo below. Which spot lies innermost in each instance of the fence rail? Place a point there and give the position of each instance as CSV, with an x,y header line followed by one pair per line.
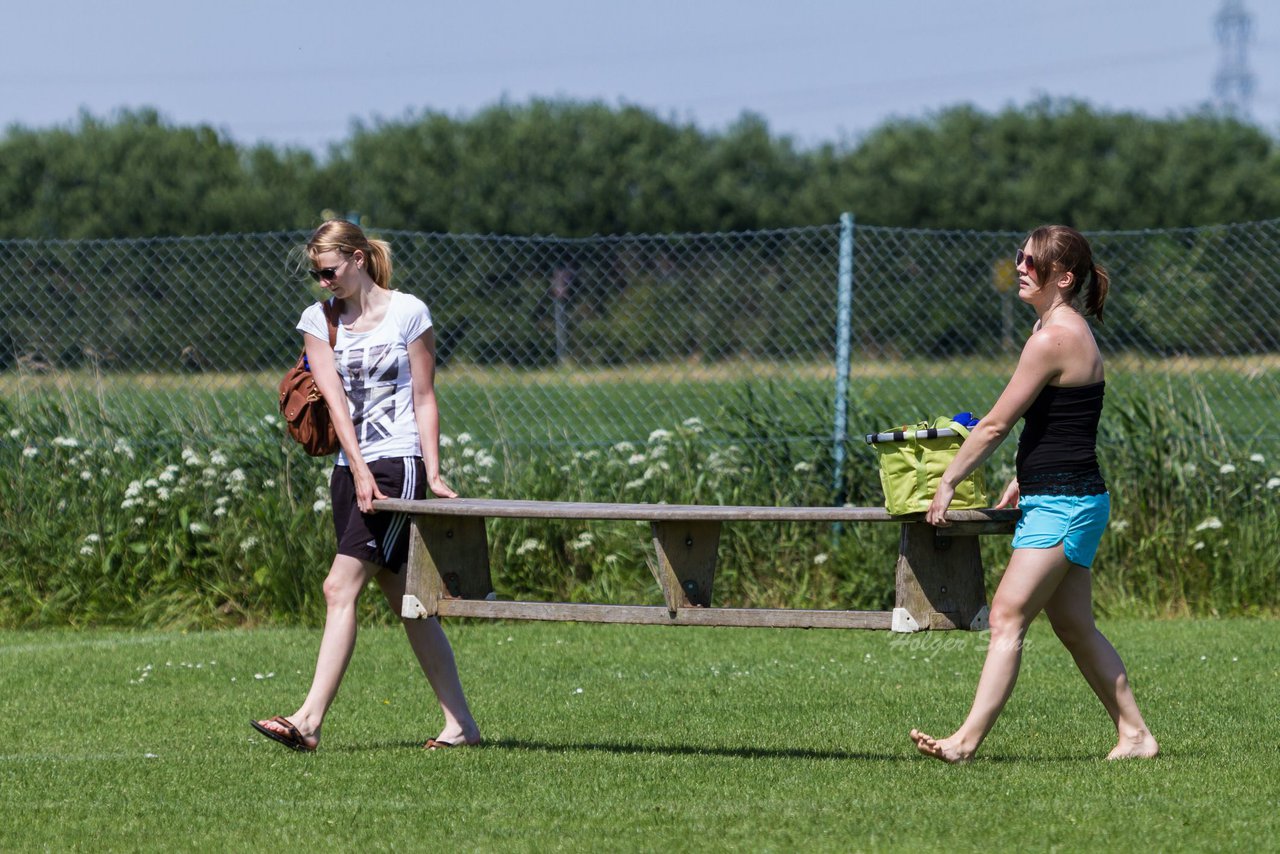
x,y
596,340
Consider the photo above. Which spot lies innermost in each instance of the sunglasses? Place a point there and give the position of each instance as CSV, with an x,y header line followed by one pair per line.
x,y
326,273
1023,258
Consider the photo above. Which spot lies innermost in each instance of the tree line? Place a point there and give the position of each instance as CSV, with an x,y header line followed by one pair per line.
x,y
574,168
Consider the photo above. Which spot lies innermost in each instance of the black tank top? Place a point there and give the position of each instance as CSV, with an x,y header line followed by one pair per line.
x,y
1057,451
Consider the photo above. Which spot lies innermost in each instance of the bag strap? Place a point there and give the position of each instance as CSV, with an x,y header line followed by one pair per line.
x,y
331,311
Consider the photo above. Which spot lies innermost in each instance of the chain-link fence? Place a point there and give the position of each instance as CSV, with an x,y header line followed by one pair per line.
x,y
595,340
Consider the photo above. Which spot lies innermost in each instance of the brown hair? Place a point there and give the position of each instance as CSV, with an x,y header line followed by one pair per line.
x,y
338,235
1060,248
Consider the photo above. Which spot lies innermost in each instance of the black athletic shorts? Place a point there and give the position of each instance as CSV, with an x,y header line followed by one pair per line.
x,y
380,537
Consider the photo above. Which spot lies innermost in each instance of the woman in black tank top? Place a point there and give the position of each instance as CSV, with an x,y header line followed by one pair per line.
x,y
1058,388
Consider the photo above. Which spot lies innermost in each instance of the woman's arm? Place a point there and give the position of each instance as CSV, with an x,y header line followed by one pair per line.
x,y
325,373
1038,365
422,369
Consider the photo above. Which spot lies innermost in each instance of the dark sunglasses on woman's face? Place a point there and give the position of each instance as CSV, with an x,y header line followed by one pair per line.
x,y
1019,260
331,273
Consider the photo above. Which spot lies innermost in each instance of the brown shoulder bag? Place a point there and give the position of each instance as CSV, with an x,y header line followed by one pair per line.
x,y
306,415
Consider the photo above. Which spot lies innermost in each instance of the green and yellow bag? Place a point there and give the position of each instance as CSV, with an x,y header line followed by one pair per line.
x,y
911,466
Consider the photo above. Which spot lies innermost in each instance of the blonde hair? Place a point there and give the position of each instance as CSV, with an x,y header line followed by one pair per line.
x,y
1062,248
338,235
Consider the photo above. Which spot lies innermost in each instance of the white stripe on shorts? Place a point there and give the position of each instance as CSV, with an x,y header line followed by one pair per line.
x,y
397,523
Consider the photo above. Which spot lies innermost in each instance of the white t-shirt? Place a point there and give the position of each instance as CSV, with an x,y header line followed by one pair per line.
x,y
374,367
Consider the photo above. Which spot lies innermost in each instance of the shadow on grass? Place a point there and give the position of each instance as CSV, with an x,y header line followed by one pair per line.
x,y
632,748
622,748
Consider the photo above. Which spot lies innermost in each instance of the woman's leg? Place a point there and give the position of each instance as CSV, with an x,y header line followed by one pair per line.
x,y
1070,611
435,655
347,577
1028,583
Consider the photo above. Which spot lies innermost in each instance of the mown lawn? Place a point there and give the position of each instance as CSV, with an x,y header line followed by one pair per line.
x,y
633,738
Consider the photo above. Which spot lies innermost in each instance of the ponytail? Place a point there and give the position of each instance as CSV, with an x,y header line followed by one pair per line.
x,y
379,254
1095,294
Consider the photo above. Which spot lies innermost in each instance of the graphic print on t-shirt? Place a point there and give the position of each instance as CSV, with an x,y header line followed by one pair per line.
x,y
372,375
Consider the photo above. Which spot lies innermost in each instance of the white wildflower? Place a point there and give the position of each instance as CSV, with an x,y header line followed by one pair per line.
x,y
151,483
659,435
269,484
1226,468
464,438
198,528
445,441
209,473
634,484
166,476
320,506
803,467
693,425
236,476
86,476
92,538
1189,469
29,451
123,448
1273,483
270,420
248,543
624,448
1257,458
1120,525
583,541
468,452
221,500
134,488
66,442
820,558
611,559
219,511
217,458
637,460
15,433
139,521
485,459
86,550
656,469
1198,546
658,452
129,502
1213,523
530,545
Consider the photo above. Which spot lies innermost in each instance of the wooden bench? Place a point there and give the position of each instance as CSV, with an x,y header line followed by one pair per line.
x,y
939,578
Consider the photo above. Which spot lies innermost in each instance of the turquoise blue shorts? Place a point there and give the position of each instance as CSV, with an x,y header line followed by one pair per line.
x,y
1076,521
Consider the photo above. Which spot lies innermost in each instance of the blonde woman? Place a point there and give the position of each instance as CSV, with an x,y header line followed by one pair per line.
x,y
378,382
1058,388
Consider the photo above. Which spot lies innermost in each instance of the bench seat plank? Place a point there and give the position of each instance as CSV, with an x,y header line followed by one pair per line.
x,y
509,508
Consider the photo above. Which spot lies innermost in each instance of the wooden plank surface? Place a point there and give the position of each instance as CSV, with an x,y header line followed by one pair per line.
x,y
659,615
510,508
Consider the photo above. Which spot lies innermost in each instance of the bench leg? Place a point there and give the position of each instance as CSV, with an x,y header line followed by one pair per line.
x,y
686,562
939,581
448,559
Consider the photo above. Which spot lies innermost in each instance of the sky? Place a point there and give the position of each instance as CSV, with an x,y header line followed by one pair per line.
x,y
295,74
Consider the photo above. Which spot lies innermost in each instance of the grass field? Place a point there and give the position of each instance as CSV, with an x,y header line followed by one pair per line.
x,y
633,739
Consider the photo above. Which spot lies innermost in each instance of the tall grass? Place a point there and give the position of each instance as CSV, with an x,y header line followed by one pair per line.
x,y
163,523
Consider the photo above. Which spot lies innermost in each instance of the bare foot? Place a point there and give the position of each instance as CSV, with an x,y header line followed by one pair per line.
x,y
943,749
1140,746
